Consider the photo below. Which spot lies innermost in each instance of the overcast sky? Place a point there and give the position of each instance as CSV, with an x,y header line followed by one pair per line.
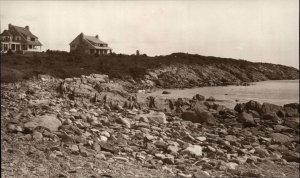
x,y
255,30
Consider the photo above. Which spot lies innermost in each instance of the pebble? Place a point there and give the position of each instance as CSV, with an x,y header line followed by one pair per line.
x,y
231,165
100,156
73,110
121,158
202,139
37,135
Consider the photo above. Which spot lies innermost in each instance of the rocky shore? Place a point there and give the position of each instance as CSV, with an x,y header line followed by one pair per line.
x,y
91,126
177,70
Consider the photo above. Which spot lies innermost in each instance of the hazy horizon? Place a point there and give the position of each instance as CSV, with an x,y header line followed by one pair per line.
x,y
257,31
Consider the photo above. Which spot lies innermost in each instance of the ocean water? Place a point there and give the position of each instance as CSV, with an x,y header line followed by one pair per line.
x,y
278,92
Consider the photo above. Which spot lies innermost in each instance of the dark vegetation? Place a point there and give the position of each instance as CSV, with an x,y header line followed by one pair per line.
x,y
204,68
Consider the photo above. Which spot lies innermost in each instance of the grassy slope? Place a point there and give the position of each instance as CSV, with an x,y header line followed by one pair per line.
x,y
175,70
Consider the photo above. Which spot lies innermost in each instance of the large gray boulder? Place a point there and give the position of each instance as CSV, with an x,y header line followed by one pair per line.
x,y
154,117
270,108
292,109
240,107
254,105
246,119
189,116
199,97
204,116
48,121
273,118
280,138
193,150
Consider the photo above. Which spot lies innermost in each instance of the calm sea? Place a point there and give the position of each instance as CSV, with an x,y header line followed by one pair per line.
x,y
278,92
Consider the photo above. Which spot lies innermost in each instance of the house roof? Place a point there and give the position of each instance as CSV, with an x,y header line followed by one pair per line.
x,y
6,33
93,39
24,31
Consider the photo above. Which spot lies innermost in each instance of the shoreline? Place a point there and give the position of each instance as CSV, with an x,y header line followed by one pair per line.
x,y
101,126
227,96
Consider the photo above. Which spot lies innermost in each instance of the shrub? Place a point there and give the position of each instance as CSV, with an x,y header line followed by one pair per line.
x,y
137,72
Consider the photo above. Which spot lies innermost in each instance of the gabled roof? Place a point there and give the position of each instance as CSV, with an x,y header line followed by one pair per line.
x,y
6,33
24,31
93,39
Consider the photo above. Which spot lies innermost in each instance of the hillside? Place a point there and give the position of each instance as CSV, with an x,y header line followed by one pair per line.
x,y
178,70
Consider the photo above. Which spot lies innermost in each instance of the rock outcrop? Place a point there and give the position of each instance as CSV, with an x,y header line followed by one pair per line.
x,y
77,133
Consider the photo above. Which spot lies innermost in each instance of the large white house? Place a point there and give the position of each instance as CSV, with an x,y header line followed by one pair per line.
x,y
19,39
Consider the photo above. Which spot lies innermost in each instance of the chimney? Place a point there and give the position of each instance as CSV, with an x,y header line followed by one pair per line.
x,y
81,36
97,36
27,27
9,26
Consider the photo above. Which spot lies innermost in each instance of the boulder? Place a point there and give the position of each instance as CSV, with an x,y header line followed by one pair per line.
x,y
253,105
100,78
193,150
280,138
231,165
292,109
161,144
270,108
204,116
262,152
290,156
210,105
231,138
84,90
48,121
172,149
210,99
189,116
155,117
240,107
124,121
272,117
281,128
246,119
169,159
199,105
292,122
199,97
114,88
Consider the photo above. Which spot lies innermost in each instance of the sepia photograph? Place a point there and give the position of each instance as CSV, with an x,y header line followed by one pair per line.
x,y
150,89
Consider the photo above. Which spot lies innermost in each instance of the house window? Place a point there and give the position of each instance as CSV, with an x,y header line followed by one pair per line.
x,y
13,47
5,47
18,38
30,46
32,39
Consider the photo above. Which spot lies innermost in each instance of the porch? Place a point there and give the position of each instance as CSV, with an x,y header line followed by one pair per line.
x,y
14,46
100,51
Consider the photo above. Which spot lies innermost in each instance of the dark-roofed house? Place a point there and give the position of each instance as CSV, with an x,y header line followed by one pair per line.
x,y
90,45
19,39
